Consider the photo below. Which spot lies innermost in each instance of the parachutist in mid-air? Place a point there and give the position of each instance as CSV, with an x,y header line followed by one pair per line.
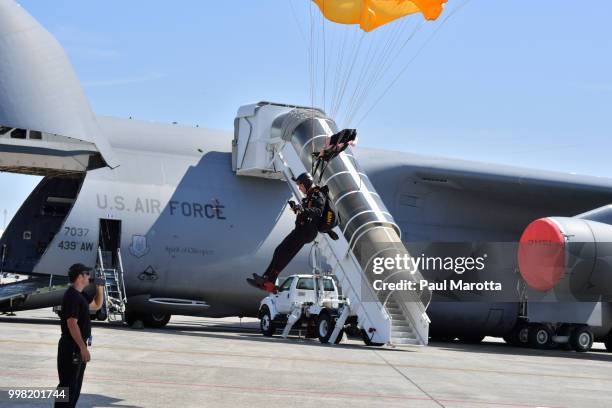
x,y
313,215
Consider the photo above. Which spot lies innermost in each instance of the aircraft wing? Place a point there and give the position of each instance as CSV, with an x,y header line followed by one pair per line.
x,y
449,193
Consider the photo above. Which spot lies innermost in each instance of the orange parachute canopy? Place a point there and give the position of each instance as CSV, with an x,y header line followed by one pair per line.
x,y
371,14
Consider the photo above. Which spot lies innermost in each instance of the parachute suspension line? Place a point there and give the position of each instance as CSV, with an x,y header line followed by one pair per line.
x,y
297,23
374,65
336,81
349,74
386,64
403,70
365,65
324,62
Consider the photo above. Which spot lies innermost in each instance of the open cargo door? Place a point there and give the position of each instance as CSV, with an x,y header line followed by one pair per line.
x,y
46,123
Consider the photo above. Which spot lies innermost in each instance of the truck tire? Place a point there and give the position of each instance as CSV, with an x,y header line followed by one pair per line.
x,y
265,322
540,336
325,328
581,339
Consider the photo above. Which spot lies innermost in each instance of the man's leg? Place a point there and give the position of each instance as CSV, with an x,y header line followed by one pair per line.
x,y
285,252
66,371
80,372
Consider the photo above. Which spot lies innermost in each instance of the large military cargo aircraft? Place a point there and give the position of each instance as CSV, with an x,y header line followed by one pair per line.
x,y
164,204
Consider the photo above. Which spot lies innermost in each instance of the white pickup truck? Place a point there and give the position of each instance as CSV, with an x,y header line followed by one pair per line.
x,y
310,302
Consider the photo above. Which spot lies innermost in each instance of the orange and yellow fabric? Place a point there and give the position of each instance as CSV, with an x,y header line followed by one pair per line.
x,y
371,14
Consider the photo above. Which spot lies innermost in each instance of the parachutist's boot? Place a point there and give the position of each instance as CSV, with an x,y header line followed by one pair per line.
x,y
269,287
257,281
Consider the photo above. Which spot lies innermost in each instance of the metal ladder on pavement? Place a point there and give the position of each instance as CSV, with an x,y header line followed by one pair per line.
x,y
114,288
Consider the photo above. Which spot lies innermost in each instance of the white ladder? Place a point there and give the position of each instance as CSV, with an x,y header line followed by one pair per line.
x,y
114,288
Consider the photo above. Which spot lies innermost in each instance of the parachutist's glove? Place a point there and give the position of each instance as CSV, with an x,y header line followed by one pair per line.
x,y
99,279
294,206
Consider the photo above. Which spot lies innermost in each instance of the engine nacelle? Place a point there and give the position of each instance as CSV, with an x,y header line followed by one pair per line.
x,y
573,256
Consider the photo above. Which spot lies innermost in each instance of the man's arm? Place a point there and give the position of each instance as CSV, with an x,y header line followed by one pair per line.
x,y
75,332
96,303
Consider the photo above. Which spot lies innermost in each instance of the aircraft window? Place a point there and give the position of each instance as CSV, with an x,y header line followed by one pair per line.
x,y
305,284
4,129
328,285
35,134
18,134
286,285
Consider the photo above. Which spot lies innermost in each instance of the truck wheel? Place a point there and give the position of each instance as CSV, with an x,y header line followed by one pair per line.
x,y
265,322
366,339
156,320
325,328
540,336
581,339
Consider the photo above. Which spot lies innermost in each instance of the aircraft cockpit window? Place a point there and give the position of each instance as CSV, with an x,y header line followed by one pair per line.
x,y
18,134
35,134
4,130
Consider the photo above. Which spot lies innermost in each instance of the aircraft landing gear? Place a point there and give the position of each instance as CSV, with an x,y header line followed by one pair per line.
x,y
151,320
608,342
581,338
519,335
540,336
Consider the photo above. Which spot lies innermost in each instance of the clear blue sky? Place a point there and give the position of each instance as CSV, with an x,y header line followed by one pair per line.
x,y
516,82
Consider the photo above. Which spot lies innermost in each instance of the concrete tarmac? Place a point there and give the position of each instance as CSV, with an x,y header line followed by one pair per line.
x,y
199,362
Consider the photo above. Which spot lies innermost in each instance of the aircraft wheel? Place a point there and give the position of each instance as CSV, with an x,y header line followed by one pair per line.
x,y
581,339
131,317
156,320
265,322
540,336
608,342
518,336
101,315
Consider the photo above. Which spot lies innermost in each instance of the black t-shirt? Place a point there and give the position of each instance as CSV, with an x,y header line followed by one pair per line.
x,y
76,304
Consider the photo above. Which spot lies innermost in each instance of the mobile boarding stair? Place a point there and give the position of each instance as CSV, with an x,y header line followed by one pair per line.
x,y
114,287
277,141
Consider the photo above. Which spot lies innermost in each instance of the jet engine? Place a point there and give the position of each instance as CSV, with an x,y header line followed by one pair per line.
x,y
571,256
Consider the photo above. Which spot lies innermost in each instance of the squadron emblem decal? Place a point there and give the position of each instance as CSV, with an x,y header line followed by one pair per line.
x,y
139,247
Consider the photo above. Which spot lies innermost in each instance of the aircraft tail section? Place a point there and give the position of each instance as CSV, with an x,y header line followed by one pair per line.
x,y
46,123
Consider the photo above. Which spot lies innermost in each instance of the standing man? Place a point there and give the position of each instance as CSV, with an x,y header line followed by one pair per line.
x,y
72,353
306,228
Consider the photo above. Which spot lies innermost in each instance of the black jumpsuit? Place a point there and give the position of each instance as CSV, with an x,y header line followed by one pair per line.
x,y
70,367
305,231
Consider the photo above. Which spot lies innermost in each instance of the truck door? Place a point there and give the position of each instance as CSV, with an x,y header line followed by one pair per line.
x,y
283,297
